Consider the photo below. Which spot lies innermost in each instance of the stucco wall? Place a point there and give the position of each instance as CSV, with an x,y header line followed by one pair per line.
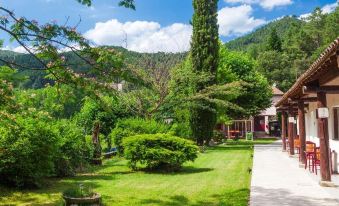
x,y
311,122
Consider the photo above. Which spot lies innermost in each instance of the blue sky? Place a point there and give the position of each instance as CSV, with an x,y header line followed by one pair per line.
x,y
157,25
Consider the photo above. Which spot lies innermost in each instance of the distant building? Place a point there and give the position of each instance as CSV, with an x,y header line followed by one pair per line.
x,y
267,123
264,124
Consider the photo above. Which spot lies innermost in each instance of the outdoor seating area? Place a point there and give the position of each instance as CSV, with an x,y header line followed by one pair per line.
x,y
309,118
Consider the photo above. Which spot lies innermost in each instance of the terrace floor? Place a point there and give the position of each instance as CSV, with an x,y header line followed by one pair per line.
x,y
277,179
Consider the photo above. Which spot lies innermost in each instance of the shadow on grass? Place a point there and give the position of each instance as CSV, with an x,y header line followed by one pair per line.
x,y
183,171
225,148
229,198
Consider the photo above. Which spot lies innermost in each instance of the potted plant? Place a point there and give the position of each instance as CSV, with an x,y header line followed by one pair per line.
x,y
81,195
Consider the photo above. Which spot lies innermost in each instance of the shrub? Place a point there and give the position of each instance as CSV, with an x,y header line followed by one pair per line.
x,y
32,148
73,150
27,151
218,136
134,126
159,151
181,130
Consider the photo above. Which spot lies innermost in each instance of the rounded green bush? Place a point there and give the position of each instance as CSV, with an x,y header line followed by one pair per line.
x,y
133,126
159,151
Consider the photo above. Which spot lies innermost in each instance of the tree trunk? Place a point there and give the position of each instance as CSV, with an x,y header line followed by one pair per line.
x,y
96,143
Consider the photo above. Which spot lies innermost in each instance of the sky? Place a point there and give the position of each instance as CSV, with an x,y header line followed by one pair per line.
x,y
156,25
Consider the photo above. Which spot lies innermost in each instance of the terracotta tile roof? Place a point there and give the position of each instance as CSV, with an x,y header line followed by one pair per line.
x,y
332,48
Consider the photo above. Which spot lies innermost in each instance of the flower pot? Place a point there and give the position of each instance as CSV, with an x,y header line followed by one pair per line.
x,y
95,200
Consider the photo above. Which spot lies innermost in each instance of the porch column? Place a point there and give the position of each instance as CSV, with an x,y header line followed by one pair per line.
x,y
291,131
283,129
302,133
325,167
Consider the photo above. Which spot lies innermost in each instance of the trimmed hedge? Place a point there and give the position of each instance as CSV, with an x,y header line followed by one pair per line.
x,y
133,126
159,151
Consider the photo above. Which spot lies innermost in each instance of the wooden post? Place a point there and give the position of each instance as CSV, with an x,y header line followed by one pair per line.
x,y
302,133
283,129
291,132
325,168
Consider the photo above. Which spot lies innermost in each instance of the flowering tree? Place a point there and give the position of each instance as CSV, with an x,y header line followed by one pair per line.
x,y
47,44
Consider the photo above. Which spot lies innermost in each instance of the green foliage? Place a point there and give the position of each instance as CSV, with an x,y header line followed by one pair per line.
x,y
124,3
27,151
6,88
33,146
79,191
274,41
256,92
205,56
302,42
159,151
183,93
73,149
133,126
60,101
259,37
218,136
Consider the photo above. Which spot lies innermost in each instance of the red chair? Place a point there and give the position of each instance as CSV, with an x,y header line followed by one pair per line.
x,y
316,161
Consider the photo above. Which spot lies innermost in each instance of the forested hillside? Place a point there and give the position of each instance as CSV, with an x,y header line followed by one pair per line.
x,y
35,79
285,48
258,37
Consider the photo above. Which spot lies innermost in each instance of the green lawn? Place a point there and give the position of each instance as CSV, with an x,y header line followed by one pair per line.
x,y
220,176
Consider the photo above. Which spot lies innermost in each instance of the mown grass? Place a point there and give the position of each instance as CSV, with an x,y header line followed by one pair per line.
x,y
220,176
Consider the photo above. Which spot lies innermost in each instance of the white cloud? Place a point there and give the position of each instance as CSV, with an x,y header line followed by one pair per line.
x,y
266,4
328,8
147,36
142,36
18,49
237,20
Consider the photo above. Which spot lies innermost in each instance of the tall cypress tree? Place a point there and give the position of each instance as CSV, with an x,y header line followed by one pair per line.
x,y
205,56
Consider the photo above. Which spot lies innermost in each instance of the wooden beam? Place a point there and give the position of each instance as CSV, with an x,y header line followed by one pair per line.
x,y
302,133
332,89
325,168
309,99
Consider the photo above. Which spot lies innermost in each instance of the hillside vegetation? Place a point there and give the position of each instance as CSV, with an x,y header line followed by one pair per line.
x,y
37,80
285,48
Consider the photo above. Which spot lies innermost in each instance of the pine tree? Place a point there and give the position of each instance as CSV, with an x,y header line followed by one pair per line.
x,y
274,42
204,51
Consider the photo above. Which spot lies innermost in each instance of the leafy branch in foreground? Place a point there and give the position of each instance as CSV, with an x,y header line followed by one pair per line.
x,y
47,45
125,3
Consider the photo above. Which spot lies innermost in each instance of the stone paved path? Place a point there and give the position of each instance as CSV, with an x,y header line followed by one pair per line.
x,y
277,180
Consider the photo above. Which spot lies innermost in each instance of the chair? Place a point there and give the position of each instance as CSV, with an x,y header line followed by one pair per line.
x,y
297,146
316,160
309,154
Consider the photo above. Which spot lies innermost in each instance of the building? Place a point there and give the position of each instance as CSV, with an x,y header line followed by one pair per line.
x,y
310,110
262,125
266,123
